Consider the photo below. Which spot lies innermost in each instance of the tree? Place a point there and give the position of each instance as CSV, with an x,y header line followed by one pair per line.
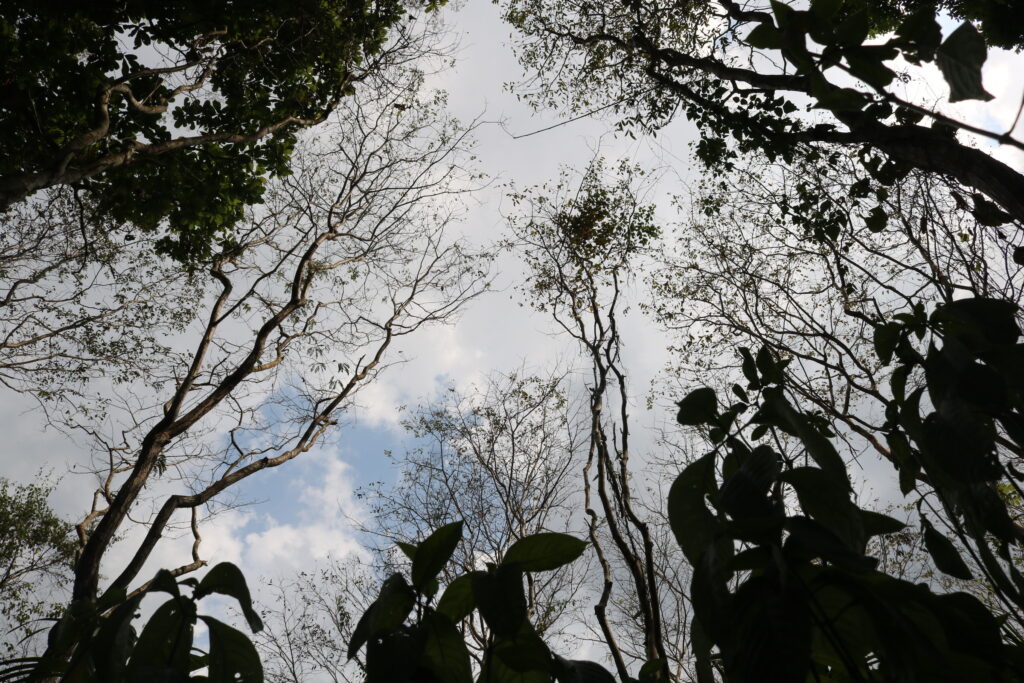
x,y
311,620
502,458
742,72
36,554
347,255
80,305
761,261
172,118
581,244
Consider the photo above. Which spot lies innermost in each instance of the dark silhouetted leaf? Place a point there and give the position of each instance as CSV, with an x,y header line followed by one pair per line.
x,y
699,407
227,579
544,551
960,58
944,553
232,655
433,554
688,515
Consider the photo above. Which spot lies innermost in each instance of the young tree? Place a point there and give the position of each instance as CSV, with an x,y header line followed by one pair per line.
x,y
581,246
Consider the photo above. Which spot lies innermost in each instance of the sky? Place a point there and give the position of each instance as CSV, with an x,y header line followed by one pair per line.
x,y
306,511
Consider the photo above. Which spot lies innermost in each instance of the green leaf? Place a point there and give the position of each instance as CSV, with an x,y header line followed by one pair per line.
x,y
876,220
165,642
766,37
500,599
988,213
394,656
387,613
227,579
408,549
544,551
877,524
699,407
113,643
960,58
817,445
232,655
920,34
854,29
164,582
456,602
444,650
524,651
944,553
744,494
867,64
361,633
749,368
771,372
433,554
840,99
887,336
688,515
825,9
826,498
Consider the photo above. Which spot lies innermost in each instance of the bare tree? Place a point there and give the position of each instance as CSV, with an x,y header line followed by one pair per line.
x,y
307,629
499,457
348,255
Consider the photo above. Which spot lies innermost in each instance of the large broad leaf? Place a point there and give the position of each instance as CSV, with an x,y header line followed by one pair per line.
x,y
394,657
744,493
944,553
387,612
525,651
457,602
113,643
771,632
817,445
227,579
500,599
165,642
699,407
688,515
544,551
826,498
232,656
433,554
444,650
960,58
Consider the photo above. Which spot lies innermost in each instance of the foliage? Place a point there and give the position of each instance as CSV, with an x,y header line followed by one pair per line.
x,y
784,589
108,648
410,637
746,73
175,112
36,553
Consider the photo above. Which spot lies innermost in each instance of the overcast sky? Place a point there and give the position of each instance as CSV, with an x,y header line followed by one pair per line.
x,y
307,501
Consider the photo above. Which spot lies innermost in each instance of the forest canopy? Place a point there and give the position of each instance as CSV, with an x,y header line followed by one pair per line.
x,y
225,224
